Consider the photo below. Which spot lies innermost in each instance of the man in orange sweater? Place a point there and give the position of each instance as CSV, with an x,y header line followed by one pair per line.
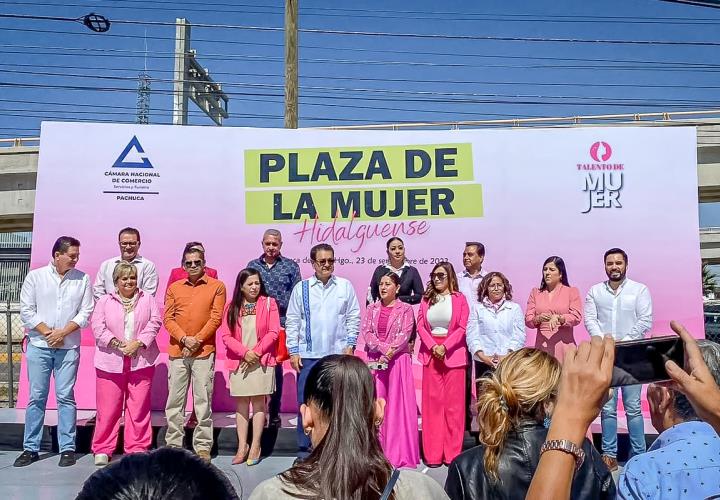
x,y
193,312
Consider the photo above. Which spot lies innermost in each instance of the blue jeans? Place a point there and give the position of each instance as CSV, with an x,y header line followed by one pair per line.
x,y
63,365
635,424
304,444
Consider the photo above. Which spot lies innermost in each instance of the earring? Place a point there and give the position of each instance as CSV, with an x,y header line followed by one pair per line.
x,y
378,423
308,430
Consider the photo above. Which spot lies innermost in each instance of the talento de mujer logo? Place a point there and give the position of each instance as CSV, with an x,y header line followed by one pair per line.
x,y
602,181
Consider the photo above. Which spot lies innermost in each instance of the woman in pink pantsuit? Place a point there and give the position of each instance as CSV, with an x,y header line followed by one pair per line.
x,y
441,326
386,328
125,324
554,309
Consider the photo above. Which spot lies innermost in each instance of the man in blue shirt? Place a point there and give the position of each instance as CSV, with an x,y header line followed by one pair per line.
x,y
279,274
684,461
323,318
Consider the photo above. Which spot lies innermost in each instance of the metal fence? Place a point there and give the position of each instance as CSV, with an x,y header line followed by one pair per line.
x,y
11,337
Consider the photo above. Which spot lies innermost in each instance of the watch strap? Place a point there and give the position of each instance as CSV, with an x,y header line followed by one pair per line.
x,y
566,446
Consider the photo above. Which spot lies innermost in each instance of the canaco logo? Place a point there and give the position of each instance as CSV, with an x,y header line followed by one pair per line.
x,y
132,177
135,145
600,151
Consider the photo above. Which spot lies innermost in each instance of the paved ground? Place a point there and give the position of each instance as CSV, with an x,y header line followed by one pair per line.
x,y
44,480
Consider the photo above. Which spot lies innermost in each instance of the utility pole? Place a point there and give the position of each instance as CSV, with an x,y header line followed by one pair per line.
x,y
193,82
291,64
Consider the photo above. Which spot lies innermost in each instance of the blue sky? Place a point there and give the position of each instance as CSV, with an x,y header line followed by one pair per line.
x,y
454,61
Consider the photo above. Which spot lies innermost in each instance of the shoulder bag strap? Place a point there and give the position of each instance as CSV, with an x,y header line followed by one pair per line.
x,y
391,484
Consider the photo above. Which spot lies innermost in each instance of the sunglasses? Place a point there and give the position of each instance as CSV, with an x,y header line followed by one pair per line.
x,y
325,262
192,263
438,276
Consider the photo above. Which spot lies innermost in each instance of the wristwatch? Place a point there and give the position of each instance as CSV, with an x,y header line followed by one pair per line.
x,y
567,446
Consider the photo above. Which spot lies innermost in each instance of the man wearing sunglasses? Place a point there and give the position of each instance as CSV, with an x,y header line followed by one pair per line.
x,y
129,243
193,312
323,318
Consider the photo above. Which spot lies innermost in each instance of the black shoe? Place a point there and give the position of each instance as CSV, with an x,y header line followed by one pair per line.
x,y
26,458
275,421
67,458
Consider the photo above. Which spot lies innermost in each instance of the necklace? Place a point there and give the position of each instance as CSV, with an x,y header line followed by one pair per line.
x,y
248,309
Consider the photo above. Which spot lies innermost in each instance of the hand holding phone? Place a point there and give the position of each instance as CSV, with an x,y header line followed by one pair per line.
x,y
643,361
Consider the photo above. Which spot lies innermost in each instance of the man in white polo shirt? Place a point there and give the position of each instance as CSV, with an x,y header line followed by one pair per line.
x,y
622,308
55,303
323,317
129,242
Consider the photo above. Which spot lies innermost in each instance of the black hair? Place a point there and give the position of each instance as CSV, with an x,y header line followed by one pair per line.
x,y
348,463
162,474
237,299
129,230
480,247
560,264
63,243
321,246
616,250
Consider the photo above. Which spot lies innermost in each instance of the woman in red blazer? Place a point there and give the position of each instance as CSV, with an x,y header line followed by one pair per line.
x,y
250,330
441,327
554,309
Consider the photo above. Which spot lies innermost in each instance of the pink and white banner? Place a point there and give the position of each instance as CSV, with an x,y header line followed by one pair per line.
x,y
526,194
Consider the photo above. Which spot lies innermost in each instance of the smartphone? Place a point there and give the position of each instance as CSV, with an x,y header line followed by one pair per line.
x,y
377,365
643,361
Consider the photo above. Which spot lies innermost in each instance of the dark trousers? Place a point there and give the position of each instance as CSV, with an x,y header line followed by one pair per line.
x,y
304,444
276,398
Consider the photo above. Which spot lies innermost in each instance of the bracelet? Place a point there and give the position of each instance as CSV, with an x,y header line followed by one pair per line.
x,y
566,446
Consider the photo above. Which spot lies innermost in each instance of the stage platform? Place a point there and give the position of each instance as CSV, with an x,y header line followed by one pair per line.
x,y
276,441
278,445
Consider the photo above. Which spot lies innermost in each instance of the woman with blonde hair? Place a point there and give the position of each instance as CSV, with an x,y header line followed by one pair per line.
x,y
514,409
125,324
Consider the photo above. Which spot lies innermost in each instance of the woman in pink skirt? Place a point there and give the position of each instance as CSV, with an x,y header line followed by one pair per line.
x,y
386,328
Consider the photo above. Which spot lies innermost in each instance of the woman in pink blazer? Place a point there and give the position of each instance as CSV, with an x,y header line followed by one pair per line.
x,y
124,324
442,321
250,331
554,309
386,329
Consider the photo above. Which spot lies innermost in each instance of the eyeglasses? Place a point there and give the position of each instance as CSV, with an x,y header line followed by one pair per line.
x,y
128,243
325,262
192,263
496,286
438,276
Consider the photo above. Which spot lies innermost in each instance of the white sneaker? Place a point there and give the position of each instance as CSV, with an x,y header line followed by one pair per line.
x,y
101,459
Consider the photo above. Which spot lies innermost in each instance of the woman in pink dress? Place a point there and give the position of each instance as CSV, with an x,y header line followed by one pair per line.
x,y
554,309
386,328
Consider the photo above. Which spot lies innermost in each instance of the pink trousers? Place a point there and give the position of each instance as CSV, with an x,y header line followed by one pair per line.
x,y
128,391
443,412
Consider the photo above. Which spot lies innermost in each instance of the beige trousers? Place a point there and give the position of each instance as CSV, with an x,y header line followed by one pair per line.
x,y
201,372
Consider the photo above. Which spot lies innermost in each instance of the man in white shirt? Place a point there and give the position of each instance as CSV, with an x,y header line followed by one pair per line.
x,y
621,308
468,282
129,242
469,279
323,318
55,303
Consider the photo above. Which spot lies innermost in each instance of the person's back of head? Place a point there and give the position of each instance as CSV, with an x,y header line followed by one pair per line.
x,y
347,461
522,386
162,474
711,354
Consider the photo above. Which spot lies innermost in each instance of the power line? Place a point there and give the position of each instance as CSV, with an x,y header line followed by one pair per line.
x,y
370,79
387,14
429,36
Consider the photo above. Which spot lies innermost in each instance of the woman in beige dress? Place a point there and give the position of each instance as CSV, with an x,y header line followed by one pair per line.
x,y
250,331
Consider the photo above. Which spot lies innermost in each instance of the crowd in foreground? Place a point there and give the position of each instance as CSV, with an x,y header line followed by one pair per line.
x,y
461,319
